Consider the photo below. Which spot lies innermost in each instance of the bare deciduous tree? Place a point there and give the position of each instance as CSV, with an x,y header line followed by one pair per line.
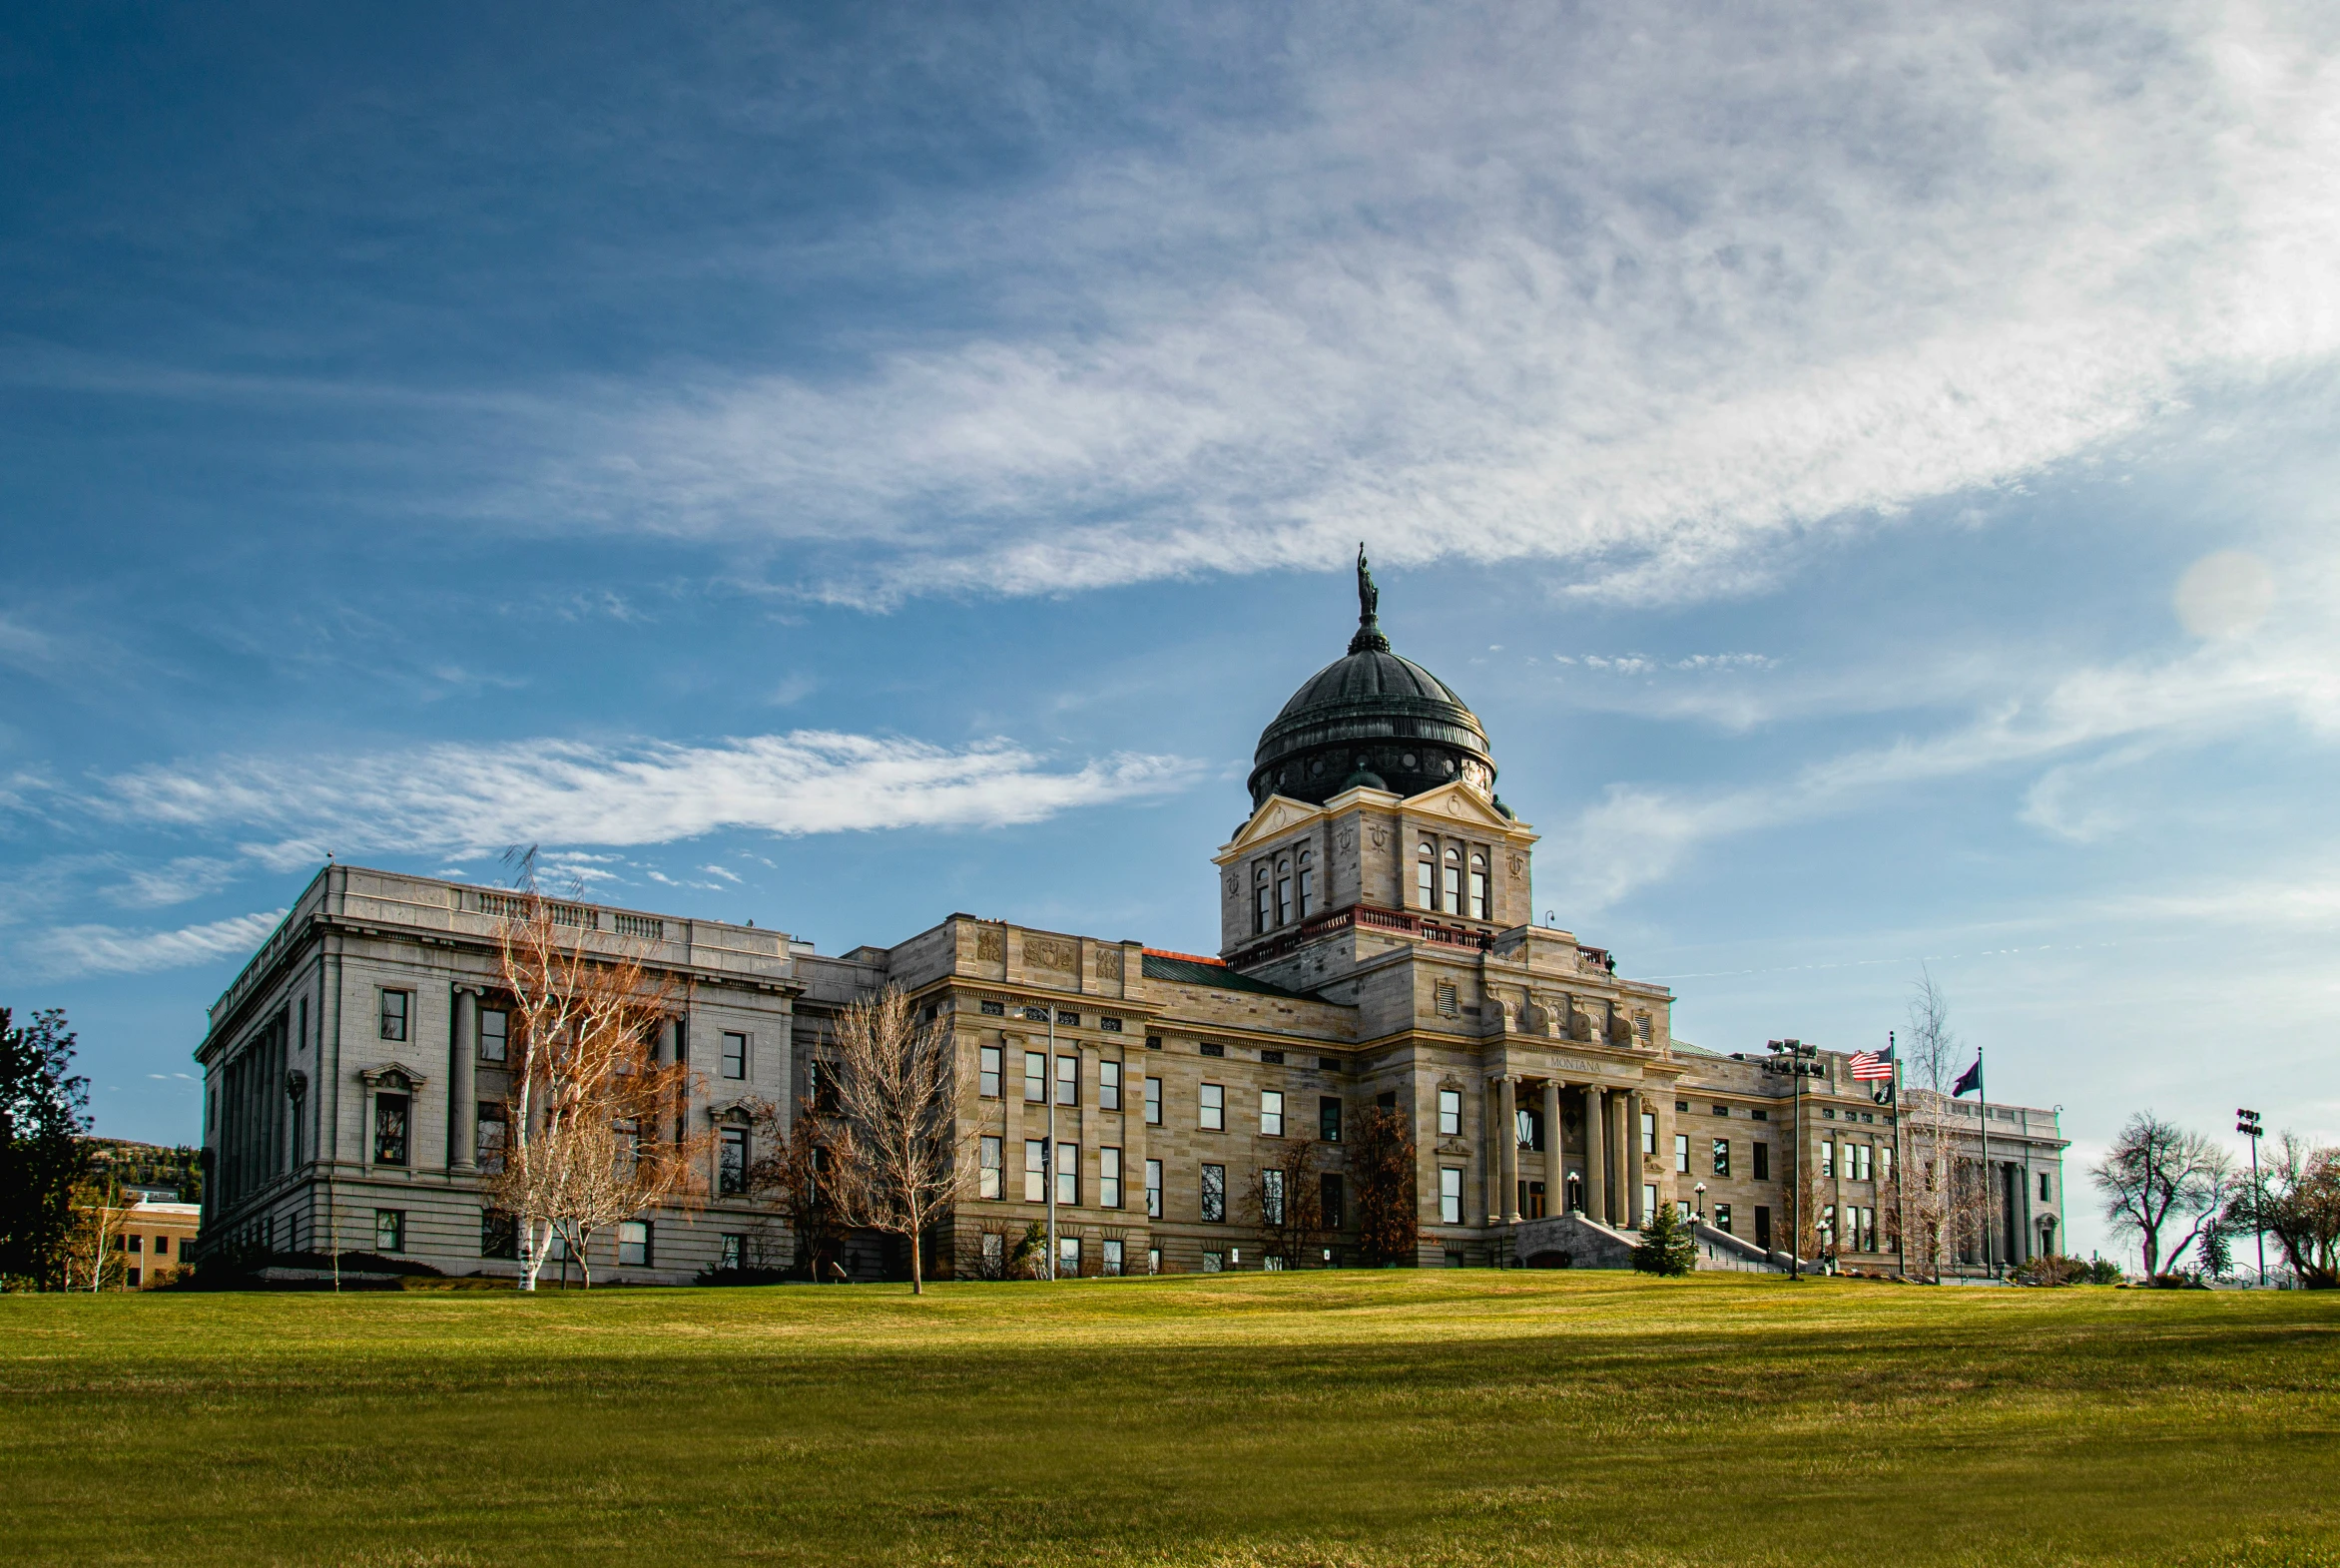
x,y
1285,1200
1941,1190
589,1101
901,1159
1380,1158
2296,1199
2156,1176
797,1174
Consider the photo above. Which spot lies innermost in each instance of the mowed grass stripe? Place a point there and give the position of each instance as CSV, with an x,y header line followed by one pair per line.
x,y
1367,1417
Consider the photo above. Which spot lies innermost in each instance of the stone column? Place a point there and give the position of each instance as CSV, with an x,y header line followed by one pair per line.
x,y
464,1085
1595,1155
1556,1164
1662,1102
1508,1099
1491,1109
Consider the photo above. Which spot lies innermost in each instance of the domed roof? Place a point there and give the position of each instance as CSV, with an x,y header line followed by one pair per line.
x,y
1370,714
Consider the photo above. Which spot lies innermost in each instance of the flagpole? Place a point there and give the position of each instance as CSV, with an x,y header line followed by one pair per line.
x,y
1901,1173
1990,1182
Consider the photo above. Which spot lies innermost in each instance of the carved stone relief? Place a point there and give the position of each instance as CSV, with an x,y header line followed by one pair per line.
x,y
1048,952
990,944
1108,963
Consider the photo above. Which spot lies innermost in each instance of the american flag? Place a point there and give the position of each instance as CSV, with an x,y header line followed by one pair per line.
x,y
1869,1066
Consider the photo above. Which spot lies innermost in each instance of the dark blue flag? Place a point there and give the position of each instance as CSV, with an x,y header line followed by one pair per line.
x,y
1970,1080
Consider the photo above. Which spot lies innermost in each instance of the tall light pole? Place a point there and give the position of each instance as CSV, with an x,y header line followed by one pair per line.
x,y
2247,1124
1799,1061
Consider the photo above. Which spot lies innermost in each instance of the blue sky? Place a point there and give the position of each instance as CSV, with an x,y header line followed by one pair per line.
x,y
1872,473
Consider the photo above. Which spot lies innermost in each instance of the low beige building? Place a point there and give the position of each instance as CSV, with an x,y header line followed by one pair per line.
x,y
1377,949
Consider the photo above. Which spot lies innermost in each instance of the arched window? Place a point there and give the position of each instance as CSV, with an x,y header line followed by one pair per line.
x,y
1307,885
1478,887
1264,910
1426,878
1455,881
1284,893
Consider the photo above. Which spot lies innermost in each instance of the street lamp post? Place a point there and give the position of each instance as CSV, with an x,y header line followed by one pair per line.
x,y
1700,1190
2247,1124
1799,1062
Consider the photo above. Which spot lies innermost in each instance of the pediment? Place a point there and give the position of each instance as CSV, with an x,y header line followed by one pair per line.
x,y
395,1077
1278,814
1458,802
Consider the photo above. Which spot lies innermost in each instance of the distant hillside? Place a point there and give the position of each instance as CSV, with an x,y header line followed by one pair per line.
x,y
150,1164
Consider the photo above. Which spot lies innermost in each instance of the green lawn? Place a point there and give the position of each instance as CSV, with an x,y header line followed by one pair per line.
x,y
1406,1417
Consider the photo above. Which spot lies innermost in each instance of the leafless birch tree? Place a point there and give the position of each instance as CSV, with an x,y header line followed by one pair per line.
x,y
589,1099
2157,1177
1942,1190
902,1161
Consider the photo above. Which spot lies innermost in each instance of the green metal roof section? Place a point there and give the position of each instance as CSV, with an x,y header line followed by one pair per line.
x,y
1197,971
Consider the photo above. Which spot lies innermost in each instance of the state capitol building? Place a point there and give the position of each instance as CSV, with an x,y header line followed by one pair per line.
x,y
1376,948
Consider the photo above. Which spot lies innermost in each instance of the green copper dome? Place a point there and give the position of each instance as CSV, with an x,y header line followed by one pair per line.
x,y
1369,717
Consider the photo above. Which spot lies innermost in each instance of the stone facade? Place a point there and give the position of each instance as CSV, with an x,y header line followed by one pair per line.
x,y
1375,949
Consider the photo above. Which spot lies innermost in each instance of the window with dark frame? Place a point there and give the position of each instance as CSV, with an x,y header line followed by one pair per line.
x,y
499,1234
1108,1178
396,1007
390,1230
489,1138
1762,1156
1036,1170
1329,1199
1215,1192
1211,1108
634,1244
1722,1157
1212,1048
1153,1102
1108,1086
735,1054
1068,1080
1153,1189
1450,1112
1272,1058
988,1176
1109,1025
1067,1175
1328,1117
993,1009
1271,1197
987,1072
730,1167
1271,1113
1035,1078
495,1034
390,1129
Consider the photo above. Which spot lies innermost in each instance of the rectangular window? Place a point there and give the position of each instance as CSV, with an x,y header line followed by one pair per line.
x,y
1827,1158
1153,1189
1649,1198
987,1173
396,1008
1214,1192
987,1072
1722,1217
1153,1102
1682,1153
1110,1264
1068,1080
1035,1078
136,1244
634,1244
1214,1262
1108,1086
1212,1106
1454,882
132,1279
487,1141
2047,1191
1426,886
1307,892
1449,1195
1762,1153
1069,1258
1884,1166
1862,1154
1036,1170
1283,900
1527,1128
1070,1019
162,1247
731,1170
1330,1197
1271,1113
499,1234
735,1054
1649,1132
1271,1197
1826,1224
995,1252
1763,1227
390,1129
1212,1048
993,1009
1067,1174
1265,914
495,1034
1478,887
1108,1178
1328,1117
1450,1112
390,1230
1722,1157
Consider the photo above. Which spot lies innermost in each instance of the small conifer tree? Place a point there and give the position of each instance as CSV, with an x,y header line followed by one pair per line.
x,y
1668,1247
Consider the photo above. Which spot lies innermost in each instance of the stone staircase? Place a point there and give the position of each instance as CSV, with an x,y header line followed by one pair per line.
x,y
1572,1241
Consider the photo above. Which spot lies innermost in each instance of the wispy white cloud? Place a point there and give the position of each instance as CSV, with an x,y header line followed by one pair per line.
x,y
1652,290
473,799
2086,722
112,949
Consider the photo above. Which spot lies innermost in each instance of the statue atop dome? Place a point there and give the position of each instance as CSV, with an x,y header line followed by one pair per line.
x,y
1368,637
